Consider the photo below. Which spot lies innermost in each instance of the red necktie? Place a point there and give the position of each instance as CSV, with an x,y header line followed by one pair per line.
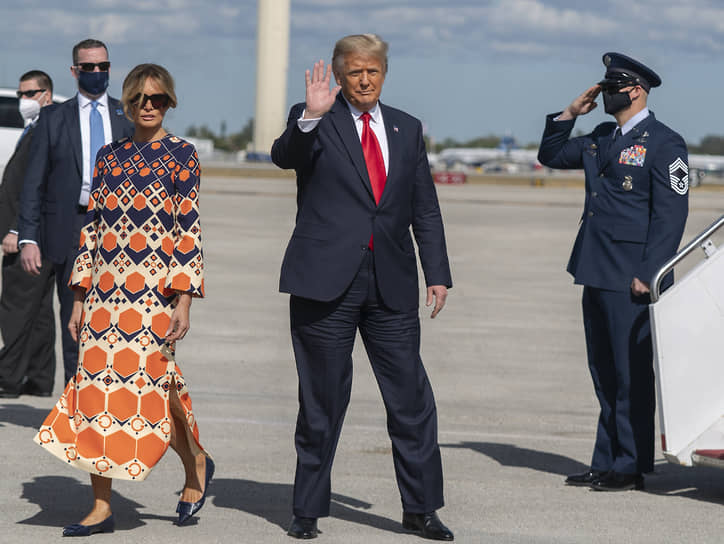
x,y
373,158
374,161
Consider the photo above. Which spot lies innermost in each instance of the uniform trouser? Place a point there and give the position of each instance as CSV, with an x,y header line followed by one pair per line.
x,y
66,296
618,339
323,335
27,358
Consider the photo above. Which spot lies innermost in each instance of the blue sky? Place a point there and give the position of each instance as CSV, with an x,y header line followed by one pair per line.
x,y
467,68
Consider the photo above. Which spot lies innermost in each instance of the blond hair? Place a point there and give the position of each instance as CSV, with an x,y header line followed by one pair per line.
x,y
136,79
366,44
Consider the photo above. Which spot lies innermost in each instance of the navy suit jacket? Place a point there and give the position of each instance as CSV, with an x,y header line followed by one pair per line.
x,y
337,214
636,199
54,176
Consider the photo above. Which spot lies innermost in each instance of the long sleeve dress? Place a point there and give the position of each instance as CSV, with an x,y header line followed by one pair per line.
x,y
141,244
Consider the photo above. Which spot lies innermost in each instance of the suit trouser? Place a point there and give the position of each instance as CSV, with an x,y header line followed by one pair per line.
x,y
66,296
28,327
620,358
323,335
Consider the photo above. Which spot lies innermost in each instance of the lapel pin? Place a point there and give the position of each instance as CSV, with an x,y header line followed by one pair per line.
x,y
394,127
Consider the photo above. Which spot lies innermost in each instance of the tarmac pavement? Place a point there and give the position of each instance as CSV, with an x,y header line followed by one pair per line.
x,y
506,359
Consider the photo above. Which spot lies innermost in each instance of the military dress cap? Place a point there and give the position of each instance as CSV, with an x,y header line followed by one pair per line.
x,y
621,69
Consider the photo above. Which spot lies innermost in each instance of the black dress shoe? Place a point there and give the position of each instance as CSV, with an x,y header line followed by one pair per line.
x,y
35,391
428,525
304,528
615,481
584,478
6,393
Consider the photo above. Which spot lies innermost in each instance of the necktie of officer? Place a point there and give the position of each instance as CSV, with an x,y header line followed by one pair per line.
x,y
374,161
97,138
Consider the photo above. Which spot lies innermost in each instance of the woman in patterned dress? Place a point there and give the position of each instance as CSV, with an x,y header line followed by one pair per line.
x,y
140,264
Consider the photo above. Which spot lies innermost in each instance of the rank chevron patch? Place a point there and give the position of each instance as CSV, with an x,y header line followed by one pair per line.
x,y
679,176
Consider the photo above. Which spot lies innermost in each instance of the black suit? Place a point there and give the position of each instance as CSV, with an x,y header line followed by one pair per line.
x,y
49,211
339,286
27,358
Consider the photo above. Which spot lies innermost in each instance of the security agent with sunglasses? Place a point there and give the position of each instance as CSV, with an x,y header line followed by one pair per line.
x,y
57,183
633,219
27,359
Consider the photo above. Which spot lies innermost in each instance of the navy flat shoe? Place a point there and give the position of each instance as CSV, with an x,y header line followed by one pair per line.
x,y
187,509
105,526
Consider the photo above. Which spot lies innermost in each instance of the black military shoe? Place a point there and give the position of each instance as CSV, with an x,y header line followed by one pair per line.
x,y
428,525
584,478
304,528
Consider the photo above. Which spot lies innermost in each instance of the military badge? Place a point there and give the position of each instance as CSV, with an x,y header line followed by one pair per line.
x,y
627,183
679,176
633,156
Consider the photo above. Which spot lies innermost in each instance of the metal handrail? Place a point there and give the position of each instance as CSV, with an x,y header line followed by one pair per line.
x,y
676,259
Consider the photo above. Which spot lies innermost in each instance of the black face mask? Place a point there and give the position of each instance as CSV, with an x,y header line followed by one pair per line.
x,y
615,102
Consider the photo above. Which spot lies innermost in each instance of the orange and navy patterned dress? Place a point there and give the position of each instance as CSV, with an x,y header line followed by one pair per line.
x,y
141,243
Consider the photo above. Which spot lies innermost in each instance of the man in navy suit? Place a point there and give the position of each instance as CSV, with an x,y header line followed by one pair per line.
x,y
362,180
27,359
633,219
58,180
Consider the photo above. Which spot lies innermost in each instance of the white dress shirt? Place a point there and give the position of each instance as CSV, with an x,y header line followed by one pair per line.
x,y
84,109
635,120
377,124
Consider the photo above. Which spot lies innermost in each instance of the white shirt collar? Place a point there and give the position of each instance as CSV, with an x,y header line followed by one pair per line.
x,y
635,120
375,112
84,101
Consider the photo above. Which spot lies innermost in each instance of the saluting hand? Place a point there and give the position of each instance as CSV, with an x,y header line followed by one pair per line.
x,y
319,97
581,105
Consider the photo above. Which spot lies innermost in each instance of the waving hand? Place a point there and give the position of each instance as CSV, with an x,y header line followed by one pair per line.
x,y
319,97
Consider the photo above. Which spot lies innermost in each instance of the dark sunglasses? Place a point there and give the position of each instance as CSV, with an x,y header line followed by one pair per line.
x,y
158,101
29,94
91,66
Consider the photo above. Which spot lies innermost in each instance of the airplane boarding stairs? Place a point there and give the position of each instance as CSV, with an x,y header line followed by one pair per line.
x,y
687,328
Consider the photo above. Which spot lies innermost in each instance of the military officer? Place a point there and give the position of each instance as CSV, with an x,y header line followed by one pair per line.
x,y
633,219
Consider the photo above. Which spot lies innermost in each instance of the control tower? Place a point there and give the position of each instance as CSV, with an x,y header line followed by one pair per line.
x,y
272,63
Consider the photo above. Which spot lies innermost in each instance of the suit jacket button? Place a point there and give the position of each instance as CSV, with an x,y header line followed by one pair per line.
x,y
600,175
590,214
595,194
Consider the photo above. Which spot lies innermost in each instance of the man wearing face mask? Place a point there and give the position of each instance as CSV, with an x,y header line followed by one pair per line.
x,y
27,359
54,200
633,219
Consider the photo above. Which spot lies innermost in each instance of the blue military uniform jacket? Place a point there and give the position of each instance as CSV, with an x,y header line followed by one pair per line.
x,y
636,198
